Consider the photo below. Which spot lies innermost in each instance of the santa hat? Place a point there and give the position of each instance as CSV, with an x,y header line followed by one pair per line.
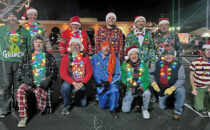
x,y
111,14
77,40
207,45
75,20
139,17
129,50
163,21
28,11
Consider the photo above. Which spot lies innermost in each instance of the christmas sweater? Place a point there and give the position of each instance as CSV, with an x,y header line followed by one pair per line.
x,y
135,76
68,35
13,44
115,36
171,39
146,48
201,68
28,67
76,68
38,28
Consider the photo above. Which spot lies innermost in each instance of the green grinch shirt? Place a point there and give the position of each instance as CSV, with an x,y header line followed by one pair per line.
x,y
13,44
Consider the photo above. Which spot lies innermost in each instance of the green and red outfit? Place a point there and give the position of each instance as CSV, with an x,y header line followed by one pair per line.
x,y
146,47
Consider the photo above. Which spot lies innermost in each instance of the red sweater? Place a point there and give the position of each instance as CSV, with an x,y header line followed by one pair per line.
x,y
67,36
64,69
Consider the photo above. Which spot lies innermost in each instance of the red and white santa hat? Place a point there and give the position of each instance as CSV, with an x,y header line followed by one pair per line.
x,y
207,45
77,40
28,11
75,20
139,17
129,50
163,21
111,14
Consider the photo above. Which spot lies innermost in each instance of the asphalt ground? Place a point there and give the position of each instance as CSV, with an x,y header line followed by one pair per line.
x,y
94,118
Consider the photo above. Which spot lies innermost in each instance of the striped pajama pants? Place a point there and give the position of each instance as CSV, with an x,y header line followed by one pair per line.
x,y
41,96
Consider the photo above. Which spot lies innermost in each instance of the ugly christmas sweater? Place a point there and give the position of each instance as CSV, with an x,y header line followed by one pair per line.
x,y
145,44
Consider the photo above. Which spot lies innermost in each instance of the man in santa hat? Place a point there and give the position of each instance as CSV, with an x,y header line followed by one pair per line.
x,y
76,70
167,78
106,71
141,38
200,79
75,31
34,27
112,34
164,37
14,43
135,77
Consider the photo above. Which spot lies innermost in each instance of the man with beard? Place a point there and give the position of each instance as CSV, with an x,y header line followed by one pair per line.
x,y
75,31
143,40
164,37
14,43
76,70
200,79
167,78
34,27
112,34
106,71
135,76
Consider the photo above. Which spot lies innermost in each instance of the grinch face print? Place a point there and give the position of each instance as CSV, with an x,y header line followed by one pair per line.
x,y
13,49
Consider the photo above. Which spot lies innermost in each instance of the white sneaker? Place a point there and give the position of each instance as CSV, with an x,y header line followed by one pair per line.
x,y
22,122
209,114
146,114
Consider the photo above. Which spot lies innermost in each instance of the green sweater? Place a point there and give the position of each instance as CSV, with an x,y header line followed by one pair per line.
x,y
127,75
147,50
13,45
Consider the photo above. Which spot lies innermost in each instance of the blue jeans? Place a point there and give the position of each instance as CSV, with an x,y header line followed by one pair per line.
x,y
66,90
179,100
127,100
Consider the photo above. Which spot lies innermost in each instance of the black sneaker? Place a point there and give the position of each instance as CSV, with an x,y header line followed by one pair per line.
x,y
114,114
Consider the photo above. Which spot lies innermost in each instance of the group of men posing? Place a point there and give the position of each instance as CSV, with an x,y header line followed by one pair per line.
x,y
143,60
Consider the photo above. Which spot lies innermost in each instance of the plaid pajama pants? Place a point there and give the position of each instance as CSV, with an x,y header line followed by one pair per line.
x,y
41,96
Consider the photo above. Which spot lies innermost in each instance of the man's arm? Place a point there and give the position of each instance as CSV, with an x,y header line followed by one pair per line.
x,y
64,69
117,74
181,78
194,92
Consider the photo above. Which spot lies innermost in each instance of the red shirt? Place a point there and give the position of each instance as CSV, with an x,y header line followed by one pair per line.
x,y
68,35
64,69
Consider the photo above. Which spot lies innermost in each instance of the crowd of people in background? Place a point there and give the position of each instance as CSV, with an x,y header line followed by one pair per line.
x,y
126,70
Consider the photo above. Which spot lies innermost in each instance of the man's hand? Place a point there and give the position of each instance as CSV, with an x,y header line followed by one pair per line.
x,y
155,86
170,90
194,92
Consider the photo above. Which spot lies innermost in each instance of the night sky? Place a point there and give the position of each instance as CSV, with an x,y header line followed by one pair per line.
x,y
125,10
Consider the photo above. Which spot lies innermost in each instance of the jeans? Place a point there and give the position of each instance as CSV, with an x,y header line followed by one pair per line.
x,y
8,78
128,98
179,100
66,90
